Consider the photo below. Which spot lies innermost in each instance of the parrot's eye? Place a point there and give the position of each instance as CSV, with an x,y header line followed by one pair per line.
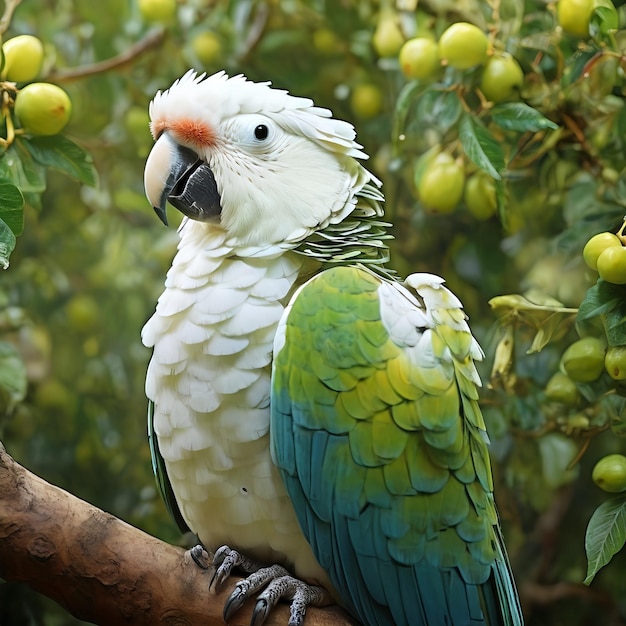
x,y
261,132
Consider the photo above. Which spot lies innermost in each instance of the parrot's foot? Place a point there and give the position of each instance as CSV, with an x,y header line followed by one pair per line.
x,y
278,583
280,586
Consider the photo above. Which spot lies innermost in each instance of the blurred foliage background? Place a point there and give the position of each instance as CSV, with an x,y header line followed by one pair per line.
x,y
87,271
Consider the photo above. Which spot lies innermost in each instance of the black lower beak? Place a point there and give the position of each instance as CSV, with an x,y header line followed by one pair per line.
x,y
195,193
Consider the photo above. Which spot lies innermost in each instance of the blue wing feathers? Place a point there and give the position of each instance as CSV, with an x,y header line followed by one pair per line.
x,y
383,593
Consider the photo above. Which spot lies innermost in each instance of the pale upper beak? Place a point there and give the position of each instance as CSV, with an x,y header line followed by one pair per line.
x,y
177,174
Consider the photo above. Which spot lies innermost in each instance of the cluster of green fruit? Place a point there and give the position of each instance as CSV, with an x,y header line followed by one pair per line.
x,y
586,360
41,108
583,362
443,183
605,253
473,62
463,46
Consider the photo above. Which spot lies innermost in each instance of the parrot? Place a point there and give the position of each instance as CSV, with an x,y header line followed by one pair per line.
x,y
314,418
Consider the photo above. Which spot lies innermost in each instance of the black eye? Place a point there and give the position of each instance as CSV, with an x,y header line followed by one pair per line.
x,y
261,132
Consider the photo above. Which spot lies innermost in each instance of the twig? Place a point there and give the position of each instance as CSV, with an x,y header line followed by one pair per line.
x,y
7,16
152,40
256,31
544,595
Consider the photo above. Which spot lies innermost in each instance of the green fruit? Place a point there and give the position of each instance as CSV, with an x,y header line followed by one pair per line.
x,y
23,58
480,195
441,184
562,388
325,41
574,16
137,122
82,312
502,78
366,100
597,245
53,395
609,473
615,362
387,39
43,108
206,47
157,10
583,361
612,265
578,422
463,45
419,58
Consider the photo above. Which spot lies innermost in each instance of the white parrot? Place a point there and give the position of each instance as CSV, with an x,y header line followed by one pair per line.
x,y
309,410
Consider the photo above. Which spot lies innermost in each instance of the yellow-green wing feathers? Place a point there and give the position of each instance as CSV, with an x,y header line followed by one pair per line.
x,y
378,433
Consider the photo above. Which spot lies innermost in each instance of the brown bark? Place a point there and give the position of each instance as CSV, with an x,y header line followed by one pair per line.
x,y
103,570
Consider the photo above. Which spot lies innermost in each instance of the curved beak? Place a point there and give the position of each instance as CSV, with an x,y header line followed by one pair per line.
x,y
177,174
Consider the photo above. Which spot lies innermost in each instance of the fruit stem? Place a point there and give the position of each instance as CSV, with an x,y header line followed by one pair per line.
x,y
620,232
580,453
6,112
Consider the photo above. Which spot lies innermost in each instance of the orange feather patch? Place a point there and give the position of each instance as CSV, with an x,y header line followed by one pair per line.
x,y
187,131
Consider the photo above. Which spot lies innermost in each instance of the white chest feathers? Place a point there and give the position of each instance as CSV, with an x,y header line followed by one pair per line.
x,y
209,377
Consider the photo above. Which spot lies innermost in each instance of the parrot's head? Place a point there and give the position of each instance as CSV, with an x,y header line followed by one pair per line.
x,y
265,166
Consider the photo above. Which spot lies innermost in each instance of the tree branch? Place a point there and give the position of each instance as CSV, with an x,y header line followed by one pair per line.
x,y
65,75
103,570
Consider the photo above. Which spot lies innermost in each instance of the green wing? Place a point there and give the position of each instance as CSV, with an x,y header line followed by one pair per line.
x,y
378,434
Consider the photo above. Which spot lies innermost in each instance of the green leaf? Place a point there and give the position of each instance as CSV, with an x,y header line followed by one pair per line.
x,y
615,325
60,153
545,332
604,18
438,109
543,41
406,98
607,301
12,207
481,147
444,108
17,166
557,452
606,534
600,299
13,379
7,244
520,117
576,65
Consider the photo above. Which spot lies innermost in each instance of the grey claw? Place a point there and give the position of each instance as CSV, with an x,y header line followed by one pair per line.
x,y
220,554
200,556
235,601
212,579
260,612
224,560
220,574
